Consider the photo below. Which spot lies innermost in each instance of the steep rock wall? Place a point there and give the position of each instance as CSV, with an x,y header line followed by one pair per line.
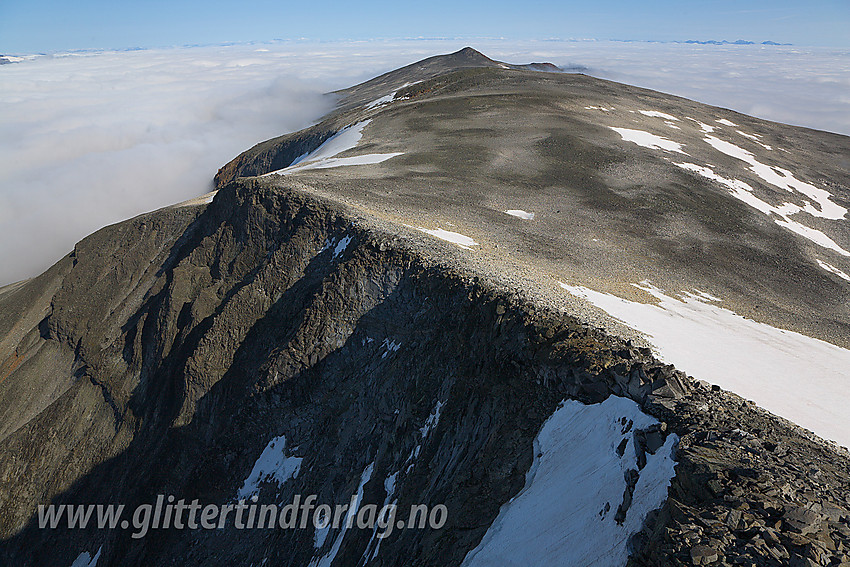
x,y
189,340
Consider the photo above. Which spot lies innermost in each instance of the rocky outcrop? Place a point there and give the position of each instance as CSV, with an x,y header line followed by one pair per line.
x,y
273,154
750,489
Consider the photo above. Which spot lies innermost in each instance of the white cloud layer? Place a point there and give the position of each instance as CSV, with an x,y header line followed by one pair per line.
x,y
801,86
87,140
794,85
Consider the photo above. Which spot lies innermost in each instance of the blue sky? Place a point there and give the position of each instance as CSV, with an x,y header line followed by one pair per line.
x,y
56,25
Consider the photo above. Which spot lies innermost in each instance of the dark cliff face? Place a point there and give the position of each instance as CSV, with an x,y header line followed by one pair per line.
x,y
220,330
269,313
271,156
167,353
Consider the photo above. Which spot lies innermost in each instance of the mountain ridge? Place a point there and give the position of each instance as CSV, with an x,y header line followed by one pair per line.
x,y
264,157
166,353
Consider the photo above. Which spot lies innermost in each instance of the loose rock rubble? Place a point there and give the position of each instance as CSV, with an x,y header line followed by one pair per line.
x,y
750,489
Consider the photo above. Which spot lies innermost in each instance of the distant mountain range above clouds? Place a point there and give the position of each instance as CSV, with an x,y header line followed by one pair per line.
x,y
701,42
4,59
736,42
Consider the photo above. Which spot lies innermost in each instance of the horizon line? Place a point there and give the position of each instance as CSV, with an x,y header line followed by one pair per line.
x,y
306,40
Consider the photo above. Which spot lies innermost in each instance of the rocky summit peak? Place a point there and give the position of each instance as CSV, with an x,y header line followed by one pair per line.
x,y
470,53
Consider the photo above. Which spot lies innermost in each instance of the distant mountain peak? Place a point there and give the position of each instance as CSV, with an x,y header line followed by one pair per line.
x,y
471,55
470,52
467,58
725,42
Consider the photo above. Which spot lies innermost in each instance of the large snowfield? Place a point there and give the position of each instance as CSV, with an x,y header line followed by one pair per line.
x,y
794,376
565,513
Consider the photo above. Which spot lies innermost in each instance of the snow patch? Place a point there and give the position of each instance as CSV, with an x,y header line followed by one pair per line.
x,y
272,465
345,139
783,179
205,199
389,484
752,137
321,535
673,126
411,458
792,375
464,242
706,129
812,234
365,159
430,423
648,140
389,488
381,101
656,114
833,269
324,156
341,246
520,214
744,192
704,296
85,559
328,558
565,513
725,122
390,346
390,97
602,108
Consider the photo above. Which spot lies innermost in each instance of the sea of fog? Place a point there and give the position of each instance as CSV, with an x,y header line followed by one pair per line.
x,y
89,139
